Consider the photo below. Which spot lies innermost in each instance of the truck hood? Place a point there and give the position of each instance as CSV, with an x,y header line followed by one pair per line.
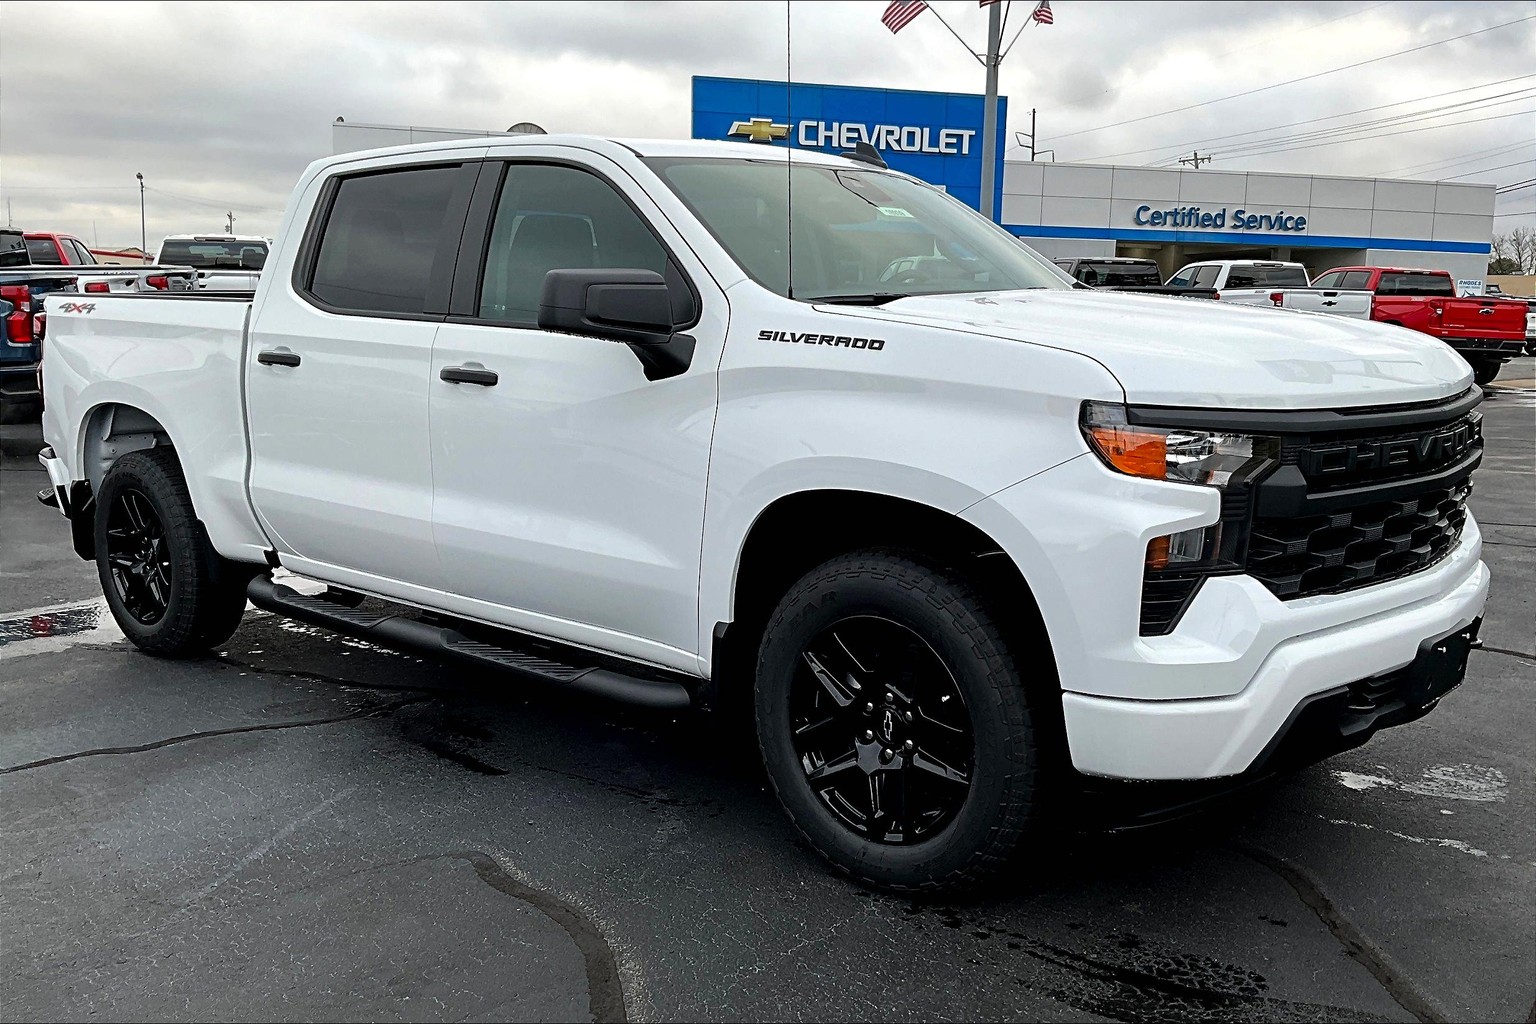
x,y
1203,353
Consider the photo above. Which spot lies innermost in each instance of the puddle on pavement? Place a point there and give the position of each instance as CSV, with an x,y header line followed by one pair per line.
x,y
73,624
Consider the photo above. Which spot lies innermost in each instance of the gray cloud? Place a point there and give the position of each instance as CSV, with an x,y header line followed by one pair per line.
x,y
222,105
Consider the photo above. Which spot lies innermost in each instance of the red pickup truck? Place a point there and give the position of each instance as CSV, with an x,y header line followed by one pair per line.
x,y
1487,332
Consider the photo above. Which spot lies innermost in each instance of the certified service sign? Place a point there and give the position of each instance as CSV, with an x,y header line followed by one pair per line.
x,y
935,136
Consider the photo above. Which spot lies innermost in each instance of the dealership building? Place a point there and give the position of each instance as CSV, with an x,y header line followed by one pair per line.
x,y
1173,216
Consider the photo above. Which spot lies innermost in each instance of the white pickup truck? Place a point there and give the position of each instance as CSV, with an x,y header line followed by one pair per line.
x,y
1273,284
963,536
223,263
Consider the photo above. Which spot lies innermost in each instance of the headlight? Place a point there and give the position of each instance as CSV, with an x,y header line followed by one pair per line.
x,y
1210,458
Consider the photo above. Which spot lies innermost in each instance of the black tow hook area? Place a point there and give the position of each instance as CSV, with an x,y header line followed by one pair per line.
x,y
499,649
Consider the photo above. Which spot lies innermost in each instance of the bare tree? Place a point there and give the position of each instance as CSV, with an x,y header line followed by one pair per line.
x,y
1516,249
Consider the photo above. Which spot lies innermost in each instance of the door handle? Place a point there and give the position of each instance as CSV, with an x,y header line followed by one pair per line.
x,y
278,358
469,375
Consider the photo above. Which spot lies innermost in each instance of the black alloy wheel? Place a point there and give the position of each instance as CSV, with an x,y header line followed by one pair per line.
x,y
881,730
139,557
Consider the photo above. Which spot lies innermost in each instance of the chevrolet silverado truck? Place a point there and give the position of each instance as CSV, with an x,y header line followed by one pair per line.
x,y
1270,283
1488,332
651,421
222,263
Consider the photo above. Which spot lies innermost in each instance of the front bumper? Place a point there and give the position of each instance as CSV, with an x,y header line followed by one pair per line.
x,y
1206,700
1225,736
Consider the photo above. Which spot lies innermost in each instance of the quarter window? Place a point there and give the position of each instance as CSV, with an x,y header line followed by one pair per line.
x,y
551,217
383,234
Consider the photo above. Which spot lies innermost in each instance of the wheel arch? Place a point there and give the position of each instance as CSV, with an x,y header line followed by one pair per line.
x,y
111,430
779,549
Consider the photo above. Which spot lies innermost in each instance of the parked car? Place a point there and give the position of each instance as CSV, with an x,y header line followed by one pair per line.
x,y
224,263
50,249
1113,271
22,323
1271,283
1486,331
955,540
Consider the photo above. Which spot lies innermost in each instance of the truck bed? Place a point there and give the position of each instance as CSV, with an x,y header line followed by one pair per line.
x,y
178,357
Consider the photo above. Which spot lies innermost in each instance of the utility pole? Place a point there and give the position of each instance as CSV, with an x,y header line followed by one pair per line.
x,y
989,113
143,234
230,214
10,221
1196,159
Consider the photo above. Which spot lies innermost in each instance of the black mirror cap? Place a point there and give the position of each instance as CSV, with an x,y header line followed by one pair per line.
x,y
632,306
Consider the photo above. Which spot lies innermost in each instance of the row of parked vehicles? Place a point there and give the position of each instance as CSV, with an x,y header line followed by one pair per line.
x,y
34,264
1486,330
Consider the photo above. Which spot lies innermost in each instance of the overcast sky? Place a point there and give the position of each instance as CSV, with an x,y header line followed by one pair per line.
x,y
221,105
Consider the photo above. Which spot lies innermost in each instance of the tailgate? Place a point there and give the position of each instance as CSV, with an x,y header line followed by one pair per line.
x,y
1339,302
1482,318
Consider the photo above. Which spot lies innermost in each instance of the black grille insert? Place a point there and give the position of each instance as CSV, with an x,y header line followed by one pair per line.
x,y
1359,546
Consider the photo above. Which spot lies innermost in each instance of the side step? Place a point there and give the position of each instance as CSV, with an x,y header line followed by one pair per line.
x,y
391,630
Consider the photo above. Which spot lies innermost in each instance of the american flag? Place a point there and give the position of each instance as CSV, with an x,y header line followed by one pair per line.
x,y
1042,13
899,13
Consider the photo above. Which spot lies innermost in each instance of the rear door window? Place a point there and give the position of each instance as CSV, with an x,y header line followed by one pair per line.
x,y
83,256
1205,277
1357,279
382,237
43,251
1330,280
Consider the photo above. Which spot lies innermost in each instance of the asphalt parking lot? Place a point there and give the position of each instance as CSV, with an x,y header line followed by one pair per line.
x,y
305,827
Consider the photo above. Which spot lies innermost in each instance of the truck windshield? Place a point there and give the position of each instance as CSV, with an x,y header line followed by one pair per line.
x,y
208,254
1267,277
858,235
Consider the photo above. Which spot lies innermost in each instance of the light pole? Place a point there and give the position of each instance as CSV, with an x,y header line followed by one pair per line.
x,y
143,234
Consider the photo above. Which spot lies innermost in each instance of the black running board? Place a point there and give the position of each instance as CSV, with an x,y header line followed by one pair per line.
x,y
392,630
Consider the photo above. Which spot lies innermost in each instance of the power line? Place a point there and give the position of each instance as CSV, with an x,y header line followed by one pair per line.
x,y
1378,135
1267,41
1293,81
1516,187
1293,124
1395,121
1489,170
1456,161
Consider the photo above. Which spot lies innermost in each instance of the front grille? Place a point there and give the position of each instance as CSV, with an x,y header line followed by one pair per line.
x,y
1356,547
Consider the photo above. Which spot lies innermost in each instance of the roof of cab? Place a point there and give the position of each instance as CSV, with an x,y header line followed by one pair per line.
x,y
700,148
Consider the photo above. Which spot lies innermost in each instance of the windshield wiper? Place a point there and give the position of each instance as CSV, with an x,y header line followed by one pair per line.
x,y
865,299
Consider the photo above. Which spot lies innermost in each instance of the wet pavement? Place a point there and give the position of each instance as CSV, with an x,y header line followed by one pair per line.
x,y
303,826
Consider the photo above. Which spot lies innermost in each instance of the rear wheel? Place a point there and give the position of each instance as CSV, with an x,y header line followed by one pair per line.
x,y
893,724
1485,370
169,591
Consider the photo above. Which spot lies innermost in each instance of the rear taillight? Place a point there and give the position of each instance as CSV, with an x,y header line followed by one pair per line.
x,y
18,322
1278,298
159,281
96,287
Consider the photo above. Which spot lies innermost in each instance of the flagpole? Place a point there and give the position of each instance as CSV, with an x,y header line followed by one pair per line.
x,y
989,114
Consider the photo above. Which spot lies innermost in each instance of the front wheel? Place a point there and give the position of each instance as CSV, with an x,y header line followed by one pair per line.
x,y
169,591
893,724
1485,370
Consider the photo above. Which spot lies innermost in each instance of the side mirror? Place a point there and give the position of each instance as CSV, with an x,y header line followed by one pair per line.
x,y
631,306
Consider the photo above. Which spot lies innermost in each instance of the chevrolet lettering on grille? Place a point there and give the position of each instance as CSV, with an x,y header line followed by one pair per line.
x,y
1426,450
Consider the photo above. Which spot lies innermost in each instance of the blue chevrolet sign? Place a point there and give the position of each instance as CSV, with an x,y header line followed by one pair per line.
x,y
935,136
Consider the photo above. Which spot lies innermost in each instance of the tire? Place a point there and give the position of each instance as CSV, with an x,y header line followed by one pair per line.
x,y
855,599
1485,370
178,597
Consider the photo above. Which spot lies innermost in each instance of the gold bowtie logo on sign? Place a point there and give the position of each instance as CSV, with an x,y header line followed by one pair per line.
x,y
760,129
